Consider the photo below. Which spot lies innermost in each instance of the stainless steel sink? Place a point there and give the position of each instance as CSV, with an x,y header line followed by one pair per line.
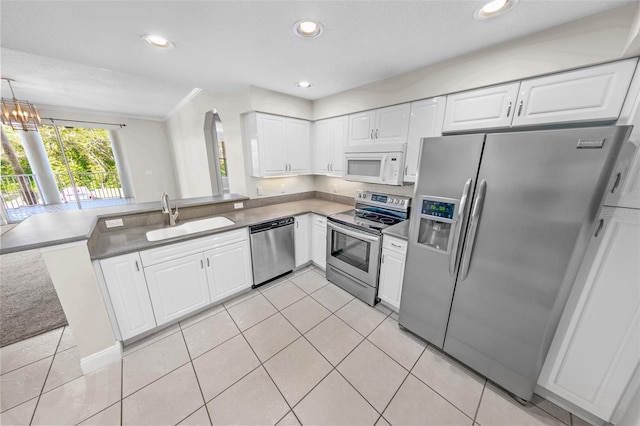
x,y
189,228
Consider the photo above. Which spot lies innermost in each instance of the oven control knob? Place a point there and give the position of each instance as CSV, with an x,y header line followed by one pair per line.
x,y
395,201
402,202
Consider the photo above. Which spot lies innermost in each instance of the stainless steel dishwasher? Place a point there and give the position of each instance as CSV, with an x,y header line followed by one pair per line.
x,y
272,249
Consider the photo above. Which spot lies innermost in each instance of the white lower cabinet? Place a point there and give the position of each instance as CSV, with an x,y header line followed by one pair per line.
x,y
127,287
228,270
302,239
162,284
319,240
597,346
177,287
394,254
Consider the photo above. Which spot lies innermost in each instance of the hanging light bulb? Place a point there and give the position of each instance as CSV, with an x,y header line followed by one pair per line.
x,y
20,115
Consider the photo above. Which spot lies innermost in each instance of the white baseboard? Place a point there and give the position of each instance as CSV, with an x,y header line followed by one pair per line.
x,y
100,359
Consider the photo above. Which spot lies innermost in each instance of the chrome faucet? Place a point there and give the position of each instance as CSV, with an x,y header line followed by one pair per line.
x,y
166,208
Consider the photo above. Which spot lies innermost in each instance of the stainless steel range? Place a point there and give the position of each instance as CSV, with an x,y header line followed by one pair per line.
x,y
354,240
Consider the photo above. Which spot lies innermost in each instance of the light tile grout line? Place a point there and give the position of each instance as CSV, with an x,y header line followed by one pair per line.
x,y
46,377
475,416
39,359
196,375
334,368
439,394
121,391
399,387
225,309
262,363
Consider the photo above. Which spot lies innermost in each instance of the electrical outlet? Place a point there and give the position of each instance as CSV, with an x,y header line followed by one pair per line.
x,y
259,189
113,223
282,187
238,205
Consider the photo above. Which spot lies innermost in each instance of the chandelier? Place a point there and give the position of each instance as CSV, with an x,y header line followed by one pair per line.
x,y
20,115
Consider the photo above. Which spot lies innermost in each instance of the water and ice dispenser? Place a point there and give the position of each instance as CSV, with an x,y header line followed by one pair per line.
x,y
437,222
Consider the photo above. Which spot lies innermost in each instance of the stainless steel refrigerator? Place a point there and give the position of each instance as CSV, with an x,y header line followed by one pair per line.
x,y
499,226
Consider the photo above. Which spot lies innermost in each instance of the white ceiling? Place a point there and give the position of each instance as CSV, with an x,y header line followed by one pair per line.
x,y
88,54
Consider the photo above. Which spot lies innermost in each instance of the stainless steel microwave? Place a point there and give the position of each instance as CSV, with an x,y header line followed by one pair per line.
x,y
383,164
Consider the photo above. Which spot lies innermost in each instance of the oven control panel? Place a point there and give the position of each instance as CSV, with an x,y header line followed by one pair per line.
x,y
397,202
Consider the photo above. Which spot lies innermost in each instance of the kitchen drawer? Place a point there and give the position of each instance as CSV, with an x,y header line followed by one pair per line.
x,y
395,244
185,248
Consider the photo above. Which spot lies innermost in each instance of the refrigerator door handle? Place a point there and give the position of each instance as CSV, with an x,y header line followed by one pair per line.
x,y
459,223
473,228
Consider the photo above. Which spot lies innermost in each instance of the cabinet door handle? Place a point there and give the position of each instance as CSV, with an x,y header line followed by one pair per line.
x,y
137,266
509,110
383,258
520,108
600,225
406,169
208,264
616,183
376,133
396,245
330,167
297,224
371,134
201,264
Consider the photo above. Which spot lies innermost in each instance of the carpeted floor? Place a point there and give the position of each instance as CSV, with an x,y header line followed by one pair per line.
x,y
28,301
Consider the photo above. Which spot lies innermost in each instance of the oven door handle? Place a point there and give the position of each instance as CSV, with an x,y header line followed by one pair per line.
x,y
354,234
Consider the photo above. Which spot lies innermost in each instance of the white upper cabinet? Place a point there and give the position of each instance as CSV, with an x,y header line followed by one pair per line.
x,y
594,94
271,137
589,94
625,189
329,138
277,145
127,286
392,124
596,348
488,108
426,121
383,125
298,145
321,141
361,128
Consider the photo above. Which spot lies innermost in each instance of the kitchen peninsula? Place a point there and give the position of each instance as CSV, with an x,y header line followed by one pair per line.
x,y
71,243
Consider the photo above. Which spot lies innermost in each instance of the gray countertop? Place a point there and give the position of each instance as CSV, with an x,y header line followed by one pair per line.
x,y
118,241
44,230
399,230
58,228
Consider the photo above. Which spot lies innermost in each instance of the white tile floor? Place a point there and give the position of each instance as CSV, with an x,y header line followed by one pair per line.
x,y
298,351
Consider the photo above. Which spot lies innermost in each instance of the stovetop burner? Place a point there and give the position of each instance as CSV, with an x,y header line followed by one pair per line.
x,y
374,212
374,217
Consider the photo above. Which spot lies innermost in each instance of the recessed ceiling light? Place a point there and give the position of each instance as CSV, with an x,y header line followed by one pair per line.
x,y
158,41
307,28
303,84
493,8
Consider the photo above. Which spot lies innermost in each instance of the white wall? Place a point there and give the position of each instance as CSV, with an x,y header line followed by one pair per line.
x,y
264,100
343,187
599,38
185,128
145,144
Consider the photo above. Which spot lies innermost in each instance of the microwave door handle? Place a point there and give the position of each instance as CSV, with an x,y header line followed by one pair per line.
x,y
354,234
459,225
383,170
473,228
